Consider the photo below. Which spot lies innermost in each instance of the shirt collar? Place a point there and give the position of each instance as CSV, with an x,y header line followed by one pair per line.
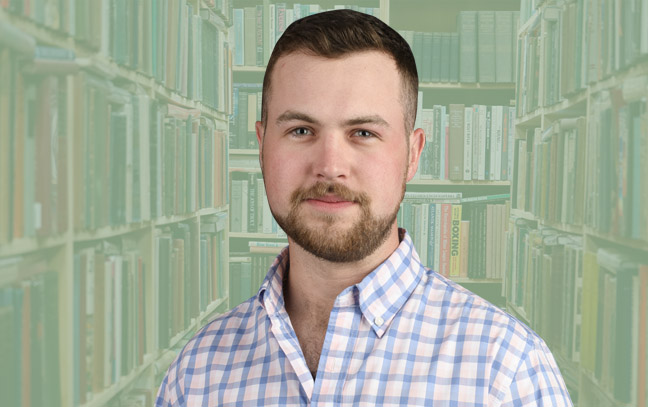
x,y
380,295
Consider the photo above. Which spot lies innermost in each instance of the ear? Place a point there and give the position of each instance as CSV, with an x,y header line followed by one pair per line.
x,y
258,126
416,144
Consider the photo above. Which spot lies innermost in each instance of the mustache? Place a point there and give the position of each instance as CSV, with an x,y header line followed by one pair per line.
x,y
322,188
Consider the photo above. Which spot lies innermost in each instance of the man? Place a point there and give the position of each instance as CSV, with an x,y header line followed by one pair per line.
x,y
347,314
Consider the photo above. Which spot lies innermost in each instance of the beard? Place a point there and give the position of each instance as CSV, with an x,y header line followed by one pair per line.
x,y
331,242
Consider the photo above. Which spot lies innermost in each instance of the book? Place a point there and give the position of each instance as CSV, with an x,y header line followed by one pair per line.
x,y
486,46
455,241
467,28
456,145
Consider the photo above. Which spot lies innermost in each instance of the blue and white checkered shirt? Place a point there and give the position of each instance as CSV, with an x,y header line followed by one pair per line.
x,y
403,336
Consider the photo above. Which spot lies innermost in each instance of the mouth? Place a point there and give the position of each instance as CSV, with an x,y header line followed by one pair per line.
x,y
329,202
330,199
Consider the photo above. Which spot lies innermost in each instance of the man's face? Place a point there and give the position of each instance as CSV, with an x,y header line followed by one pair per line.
x,y
335,158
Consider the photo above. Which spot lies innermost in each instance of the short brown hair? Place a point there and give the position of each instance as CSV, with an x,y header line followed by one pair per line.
x,y
335,33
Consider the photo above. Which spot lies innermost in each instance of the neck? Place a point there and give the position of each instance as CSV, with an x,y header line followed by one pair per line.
x,y
313,283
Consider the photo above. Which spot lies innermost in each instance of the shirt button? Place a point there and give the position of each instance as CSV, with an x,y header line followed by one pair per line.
x,y
379,321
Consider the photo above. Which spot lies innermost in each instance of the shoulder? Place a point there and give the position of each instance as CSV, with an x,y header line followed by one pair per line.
x,y
458,304
516,360
219,335
212,345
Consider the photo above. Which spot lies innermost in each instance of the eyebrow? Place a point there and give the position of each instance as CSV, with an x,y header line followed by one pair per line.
x,y
291,115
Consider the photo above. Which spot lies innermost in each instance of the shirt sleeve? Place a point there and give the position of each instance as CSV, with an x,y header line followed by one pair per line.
x,y
537,381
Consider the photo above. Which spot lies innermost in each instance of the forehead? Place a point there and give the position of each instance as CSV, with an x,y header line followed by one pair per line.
x,y
361,83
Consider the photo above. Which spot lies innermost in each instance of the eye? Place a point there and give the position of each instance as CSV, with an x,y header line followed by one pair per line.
x,y
300,131
365,134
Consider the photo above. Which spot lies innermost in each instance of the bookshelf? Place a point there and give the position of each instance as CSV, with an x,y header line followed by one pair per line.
x,y
577,251
441,93
113,176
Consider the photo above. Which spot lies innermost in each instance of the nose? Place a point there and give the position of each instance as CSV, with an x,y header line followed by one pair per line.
x,y
331,157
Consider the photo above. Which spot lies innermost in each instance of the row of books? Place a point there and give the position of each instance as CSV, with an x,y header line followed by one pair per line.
x,y
571,56
590,306
455,236
544,278
549,180
181,48
249,208
465,143
249,269
112,286
136,397
110,296
149,157
257,28
185,283
246,111
614,346
33,153
482,49
616,180
83,19
29,332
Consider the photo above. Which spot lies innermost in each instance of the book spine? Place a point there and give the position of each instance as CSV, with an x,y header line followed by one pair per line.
x,y
446,218
464,248
437,238
456,142
468,144
432,237
455,241
259,35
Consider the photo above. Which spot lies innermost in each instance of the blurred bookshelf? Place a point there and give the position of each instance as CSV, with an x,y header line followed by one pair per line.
x,y
127,149
577,262
114,209
465,60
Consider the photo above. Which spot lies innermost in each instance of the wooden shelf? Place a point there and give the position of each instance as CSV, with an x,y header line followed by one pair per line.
x,y
248,69
617,240
508,86
529,23
570,371
520,213
433,182
518,313
101,399
562,227
244,169
465,280
531,119
239,235
595,393
23,246
195,325
241,151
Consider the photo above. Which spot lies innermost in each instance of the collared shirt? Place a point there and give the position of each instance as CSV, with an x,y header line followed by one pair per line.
x,y
403,336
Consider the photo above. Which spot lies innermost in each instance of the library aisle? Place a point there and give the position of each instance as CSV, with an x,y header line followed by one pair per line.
x,y
133,208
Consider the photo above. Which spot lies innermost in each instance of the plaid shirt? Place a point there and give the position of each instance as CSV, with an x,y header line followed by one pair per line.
x,y
403,336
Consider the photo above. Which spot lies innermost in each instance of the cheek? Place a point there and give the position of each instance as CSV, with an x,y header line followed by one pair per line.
x,y
387,182
279,177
